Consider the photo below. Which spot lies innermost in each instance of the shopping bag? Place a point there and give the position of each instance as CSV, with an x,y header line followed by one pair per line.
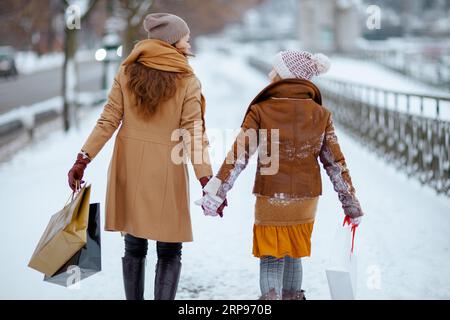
x,y
341,271
87,261
64,236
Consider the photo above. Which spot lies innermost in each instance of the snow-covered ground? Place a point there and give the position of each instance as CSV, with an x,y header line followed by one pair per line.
x,y
403,239
29,62
418,56
372,74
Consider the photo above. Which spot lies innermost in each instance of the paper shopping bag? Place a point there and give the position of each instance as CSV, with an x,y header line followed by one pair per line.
x,y
64,236
87,261
341,271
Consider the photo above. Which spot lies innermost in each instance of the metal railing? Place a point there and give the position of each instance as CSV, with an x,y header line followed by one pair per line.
x,y
410,131
399,127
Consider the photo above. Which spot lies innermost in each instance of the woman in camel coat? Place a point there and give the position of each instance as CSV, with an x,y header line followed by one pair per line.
x,y
155,94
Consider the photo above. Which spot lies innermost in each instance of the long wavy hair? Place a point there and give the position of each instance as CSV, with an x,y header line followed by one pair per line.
x,y
150,87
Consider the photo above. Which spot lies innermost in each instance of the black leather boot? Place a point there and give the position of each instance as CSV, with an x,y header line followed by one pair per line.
x,y
166,278
133,277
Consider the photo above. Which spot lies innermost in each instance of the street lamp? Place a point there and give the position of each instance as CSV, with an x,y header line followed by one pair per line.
x,y
109,54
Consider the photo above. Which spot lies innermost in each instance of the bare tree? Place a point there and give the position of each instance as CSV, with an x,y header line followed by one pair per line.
x,y
133,11
70,48
206,17
29,25
202,16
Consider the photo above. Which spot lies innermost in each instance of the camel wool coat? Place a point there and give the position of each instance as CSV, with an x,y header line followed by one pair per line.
x,y
147,192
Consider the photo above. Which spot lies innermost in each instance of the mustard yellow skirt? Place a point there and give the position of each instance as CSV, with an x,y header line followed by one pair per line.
x,y
283,228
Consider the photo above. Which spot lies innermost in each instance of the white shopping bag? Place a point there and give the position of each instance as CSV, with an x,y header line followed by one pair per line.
x,y
341,272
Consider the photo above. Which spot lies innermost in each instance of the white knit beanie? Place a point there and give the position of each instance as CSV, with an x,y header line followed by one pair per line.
x,y
300,64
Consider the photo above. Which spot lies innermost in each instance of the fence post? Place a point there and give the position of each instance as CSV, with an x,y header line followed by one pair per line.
x,y
408,100
437,107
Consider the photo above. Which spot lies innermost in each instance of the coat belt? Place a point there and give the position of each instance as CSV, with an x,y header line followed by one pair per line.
x,y
144,135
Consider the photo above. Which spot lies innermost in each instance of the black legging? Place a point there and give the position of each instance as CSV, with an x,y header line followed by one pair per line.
x,y
137,247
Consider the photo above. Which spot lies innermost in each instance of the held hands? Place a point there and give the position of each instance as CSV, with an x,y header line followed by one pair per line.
x,y
211,204
204,181
76,173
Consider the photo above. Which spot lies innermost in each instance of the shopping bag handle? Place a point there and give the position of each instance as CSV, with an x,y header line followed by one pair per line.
x,y
70,199
347,220
72,194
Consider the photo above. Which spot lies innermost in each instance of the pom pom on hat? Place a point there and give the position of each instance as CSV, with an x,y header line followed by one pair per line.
x,y
323,62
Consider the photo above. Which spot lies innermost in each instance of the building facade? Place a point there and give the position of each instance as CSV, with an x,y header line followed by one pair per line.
x,y
329,25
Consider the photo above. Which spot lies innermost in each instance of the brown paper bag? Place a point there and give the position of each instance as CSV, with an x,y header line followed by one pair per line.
x,y
64,236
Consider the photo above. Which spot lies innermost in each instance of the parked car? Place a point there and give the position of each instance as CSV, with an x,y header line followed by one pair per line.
x,y
7,62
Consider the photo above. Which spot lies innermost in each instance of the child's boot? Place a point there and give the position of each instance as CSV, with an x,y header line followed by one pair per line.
x,y
293,295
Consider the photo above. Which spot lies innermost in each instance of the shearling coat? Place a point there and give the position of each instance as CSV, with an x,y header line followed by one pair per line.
x,y
288,166
147,191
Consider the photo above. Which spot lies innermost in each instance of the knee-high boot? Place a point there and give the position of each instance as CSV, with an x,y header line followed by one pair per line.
x,y
166,278
133,277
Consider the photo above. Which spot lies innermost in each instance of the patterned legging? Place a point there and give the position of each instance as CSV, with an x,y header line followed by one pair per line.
x,y
285,273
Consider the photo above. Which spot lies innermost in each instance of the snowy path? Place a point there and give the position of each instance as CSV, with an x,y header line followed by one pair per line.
x,y
404,234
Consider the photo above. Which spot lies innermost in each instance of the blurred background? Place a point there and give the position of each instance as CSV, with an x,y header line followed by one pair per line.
x,y
388,89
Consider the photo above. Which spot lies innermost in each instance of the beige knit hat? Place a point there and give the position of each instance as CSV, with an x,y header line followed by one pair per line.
x,y
166,27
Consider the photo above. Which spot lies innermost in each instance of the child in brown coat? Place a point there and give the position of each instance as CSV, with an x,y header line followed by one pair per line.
x,y
287,119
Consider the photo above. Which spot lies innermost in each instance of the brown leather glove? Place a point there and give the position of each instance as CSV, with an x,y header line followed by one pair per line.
x,y
76,173
204,181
